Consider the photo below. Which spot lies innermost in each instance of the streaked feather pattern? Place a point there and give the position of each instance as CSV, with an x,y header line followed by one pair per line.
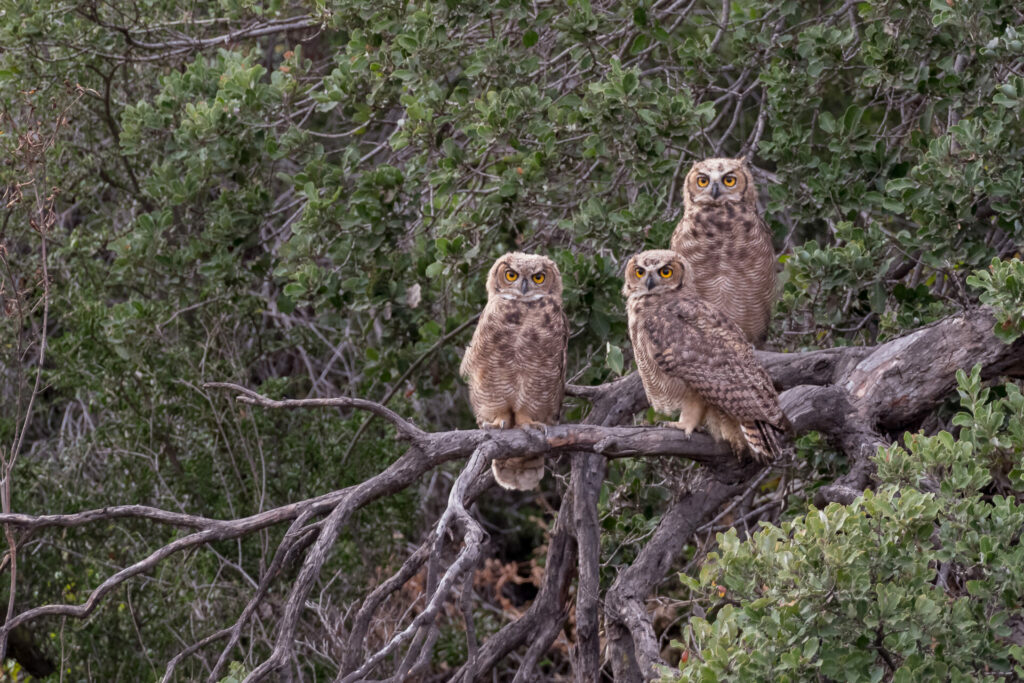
x,y
727,247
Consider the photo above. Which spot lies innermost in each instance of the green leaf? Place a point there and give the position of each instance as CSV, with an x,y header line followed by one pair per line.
x,y
827,122
629,82
613,358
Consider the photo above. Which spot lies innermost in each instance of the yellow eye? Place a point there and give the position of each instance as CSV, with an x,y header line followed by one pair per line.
x,y
665,272
702,181
729,180
538,278
511,275
640,272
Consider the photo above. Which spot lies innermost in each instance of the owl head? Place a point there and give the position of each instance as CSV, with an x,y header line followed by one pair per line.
x,y
524,277
718,181
658,271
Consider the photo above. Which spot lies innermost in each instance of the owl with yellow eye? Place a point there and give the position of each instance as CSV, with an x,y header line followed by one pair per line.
x,y
696,363
726,245
515,363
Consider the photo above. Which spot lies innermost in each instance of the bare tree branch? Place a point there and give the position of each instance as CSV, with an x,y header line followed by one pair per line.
x,y
853,395
404,427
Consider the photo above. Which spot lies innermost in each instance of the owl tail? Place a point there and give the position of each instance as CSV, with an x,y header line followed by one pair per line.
x,y
519,474
766,441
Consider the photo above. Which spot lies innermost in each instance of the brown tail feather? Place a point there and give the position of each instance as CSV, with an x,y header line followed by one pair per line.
x,y
519,474
766,441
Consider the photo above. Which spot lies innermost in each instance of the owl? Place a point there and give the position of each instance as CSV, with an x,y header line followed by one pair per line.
x,y
515,363
726,245
696,362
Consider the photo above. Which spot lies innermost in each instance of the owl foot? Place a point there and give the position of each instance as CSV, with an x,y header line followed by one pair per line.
x,y
496,423
688,428
539,426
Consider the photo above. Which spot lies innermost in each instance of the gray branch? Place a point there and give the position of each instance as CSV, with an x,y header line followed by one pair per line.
x,y
857,396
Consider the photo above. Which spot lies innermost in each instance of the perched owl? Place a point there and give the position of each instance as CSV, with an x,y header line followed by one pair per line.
x,y
726,245
515,364
695,361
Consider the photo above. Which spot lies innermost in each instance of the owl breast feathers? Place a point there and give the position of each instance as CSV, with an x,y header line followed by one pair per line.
x,y
696,362
515,363
726,245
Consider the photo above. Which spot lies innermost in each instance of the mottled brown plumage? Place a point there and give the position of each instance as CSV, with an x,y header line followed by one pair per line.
x,y
726,245
696,362
515,364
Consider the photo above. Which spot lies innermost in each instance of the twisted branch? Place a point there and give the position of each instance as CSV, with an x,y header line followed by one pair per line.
x,y
855,396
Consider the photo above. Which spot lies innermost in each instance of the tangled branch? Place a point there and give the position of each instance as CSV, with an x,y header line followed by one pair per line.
x,y
857,396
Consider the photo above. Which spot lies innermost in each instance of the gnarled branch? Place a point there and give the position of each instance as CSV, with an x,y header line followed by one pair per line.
x,y
856,396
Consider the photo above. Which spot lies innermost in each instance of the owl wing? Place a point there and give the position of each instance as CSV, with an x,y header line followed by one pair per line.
x,y
468,358
703,348
564,320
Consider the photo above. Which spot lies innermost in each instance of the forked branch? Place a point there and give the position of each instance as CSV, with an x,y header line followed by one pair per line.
x,y
856,396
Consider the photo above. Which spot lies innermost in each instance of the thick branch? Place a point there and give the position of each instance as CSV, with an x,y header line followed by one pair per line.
x,y
852,395
632,642
587,478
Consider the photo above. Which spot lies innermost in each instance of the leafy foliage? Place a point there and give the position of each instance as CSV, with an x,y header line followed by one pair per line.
x,y
1002,288
310,211
916,581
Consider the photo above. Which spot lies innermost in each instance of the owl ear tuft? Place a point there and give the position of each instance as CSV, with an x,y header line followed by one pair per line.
x,y
745,159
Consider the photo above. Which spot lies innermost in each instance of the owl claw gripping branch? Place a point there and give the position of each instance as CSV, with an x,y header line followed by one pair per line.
x,y
515,364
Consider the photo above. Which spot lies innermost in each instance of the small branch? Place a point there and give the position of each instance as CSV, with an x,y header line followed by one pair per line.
x,y
405,428
464,562
251,31
357,636
106,514
405,375
723,22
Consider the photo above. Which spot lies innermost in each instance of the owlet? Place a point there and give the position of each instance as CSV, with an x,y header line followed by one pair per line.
x,y
696,362
515,363
726,245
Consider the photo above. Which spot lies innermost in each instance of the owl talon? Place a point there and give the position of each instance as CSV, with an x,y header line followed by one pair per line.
x,y
539,426
677,425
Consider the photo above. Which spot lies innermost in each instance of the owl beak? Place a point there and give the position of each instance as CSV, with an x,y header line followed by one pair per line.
x,y
715,190
523,287
649,281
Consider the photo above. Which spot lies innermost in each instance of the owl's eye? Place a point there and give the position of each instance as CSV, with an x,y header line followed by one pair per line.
x,y
702,181
729,180
511,275
640,272
538,278
665,272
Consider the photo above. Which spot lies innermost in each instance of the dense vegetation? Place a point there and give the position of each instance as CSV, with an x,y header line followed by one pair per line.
x,y
303,198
